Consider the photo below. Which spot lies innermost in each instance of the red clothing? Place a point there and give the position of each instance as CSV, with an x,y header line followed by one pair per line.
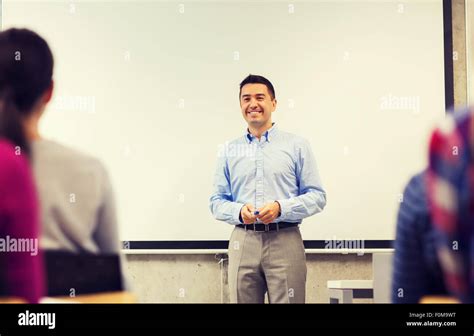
x,y
451,196
21,266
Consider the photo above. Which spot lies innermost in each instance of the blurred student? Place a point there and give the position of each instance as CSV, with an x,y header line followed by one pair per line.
x,y
416,270
21,266
76,199
451,197
77,205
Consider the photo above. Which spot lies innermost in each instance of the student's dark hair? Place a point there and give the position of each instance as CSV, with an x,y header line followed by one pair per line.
x,y
26,71
256,79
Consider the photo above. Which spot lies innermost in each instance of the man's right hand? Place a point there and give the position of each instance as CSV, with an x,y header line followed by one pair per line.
x,y
247,214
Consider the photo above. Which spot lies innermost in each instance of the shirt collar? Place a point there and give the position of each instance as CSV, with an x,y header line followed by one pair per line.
x,y
268,134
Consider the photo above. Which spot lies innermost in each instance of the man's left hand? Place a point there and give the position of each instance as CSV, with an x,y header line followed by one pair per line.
x,y
269,212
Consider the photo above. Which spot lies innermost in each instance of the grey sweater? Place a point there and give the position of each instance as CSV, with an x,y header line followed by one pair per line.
x,y
77,204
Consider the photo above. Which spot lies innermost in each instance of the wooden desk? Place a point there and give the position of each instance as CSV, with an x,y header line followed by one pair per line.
x,y
108,297
439,299
8,299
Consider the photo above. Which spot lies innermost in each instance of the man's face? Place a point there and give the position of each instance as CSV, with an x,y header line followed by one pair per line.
x,y
256,104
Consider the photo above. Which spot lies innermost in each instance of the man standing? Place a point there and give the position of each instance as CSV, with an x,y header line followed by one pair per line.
x,y
266,182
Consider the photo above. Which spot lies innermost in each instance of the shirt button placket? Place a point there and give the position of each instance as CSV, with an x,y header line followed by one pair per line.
x,y
259,196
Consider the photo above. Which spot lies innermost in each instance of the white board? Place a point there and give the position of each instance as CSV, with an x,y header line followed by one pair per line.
x,y
151,87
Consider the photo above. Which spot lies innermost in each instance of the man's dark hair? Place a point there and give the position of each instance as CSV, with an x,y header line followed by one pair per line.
x,y
26,70
256,79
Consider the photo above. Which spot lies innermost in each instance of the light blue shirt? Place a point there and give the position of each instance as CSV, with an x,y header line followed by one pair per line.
x,y
278,167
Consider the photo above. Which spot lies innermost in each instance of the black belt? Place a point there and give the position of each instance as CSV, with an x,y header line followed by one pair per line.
x,y
259,227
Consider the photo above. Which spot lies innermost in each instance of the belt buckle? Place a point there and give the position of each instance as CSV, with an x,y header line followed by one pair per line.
x,y
247,225
277,227
267,227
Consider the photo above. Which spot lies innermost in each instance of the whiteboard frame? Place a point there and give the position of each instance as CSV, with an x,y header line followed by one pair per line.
x,y
469,12
315,246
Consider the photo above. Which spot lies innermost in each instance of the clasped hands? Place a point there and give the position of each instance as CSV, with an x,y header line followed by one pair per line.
x,y
266,214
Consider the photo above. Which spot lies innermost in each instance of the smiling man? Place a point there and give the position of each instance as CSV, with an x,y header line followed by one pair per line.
x,y
266,192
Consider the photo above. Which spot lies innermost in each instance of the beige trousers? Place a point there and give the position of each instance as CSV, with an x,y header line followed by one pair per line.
x,y
267,262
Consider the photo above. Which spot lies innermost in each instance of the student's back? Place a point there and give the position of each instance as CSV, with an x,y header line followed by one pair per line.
x,y
77,206
451,195
77,212
416,271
